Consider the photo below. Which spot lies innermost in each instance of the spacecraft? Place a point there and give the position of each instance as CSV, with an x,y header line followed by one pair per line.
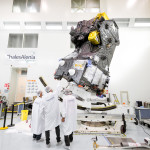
x,y
87,67
87,71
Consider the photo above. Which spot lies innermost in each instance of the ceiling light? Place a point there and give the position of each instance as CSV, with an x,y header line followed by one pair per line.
x,y
145,24
11,25
54,26
33,25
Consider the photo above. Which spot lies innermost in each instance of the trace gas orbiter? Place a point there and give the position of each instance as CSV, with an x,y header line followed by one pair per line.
x,y
95,41
87,71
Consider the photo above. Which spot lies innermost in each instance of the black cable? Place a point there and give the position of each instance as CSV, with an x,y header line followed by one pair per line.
x,y
144,130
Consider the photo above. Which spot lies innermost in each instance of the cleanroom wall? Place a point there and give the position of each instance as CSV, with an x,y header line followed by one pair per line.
x,y
129,69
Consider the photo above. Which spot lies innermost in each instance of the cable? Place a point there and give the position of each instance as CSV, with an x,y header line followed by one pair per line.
x,y
144,130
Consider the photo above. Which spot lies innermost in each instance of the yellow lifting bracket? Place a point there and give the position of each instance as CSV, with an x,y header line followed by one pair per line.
x,y
94,37
101,15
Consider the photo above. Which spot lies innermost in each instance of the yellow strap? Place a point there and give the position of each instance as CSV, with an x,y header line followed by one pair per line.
x,y
14,105
13,111
101,15
18,104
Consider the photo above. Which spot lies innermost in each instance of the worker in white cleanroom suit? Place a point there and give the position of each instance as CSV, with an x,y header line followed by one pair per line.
x,y
69,117
37,121
50,108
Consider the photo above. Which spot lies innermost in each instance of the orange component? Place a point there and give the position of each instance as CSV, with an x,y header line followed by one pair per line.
x,y
80,86
124,103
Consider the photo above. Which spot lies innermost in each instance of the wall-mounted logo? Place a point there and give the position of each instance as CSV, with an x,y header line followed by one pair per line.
x,y
21,57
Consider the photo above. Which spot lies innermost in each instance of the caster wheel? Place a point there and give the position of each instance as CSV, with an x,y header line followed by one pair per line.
x,y
141,123
123,129
110,122
136,121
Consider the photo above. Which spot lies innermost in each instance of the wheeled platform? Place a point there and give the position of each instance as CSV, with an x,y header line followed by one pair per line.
x,y
103,123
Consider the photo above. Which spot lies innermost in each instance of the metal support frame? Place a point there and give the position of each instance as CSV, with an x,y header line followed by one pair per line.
x,y
12,114
4,127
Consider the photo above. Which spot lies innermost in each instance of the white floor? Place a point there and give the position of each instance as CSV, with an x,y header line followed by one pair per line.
x,y
17,139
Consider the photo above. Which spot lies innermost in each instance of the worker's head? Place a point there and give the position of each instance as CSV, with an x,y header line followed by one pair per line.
x,y
40,93
48,89
67,92
95,87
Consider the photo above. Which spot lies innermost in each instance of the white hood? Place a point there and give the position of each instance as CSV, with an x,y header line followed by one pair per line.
x,y
37,100
70,98
49,96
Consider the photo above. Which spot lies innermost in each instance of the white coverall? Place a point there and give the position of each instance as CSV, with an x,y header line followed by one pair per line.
x,y
50,108
69,112
37,122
